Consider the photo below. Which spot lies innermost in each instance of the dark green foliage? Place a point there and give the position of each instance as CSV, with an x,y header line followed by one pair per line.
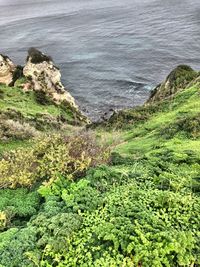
x,y
117,159
1,94
186,124
62,226
14,244
134,221
176,81
17,74
81,197
125,119
181,76
145,213
20,203
42,98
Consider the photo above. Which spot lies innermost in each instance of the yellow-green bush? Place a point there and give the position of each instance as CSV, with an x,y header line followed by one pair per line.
x,y
50,157
3,220
18,168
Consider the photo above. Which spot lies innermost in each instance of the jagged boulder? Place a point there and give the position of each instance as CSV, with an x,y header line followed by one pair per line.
x,y
7,69
43,75
177,80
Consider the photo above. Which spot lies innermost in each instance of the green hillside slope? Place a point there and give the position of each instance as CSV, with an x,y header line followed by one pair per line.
x,y
24,115
124,193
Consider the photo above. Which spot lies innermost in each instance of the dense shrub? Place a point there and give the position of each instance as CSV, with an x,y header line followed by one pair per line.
x,y
18,204
50,157
134,227
14,247
75,115
124,215
18,168
62,225
187,125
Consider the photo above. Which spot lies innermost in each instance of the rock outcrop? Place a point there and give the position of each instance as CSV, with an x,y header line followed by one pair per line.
x,y
7,69
177,80
42,74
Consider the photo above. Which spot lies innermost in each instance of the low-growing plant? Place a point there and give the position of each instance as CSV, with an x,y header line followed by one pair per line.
x,y
15,130
19,204
187,125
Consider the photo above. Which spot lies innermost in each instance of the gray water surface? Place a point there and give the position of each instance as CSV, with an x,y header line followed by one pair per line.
x,y
110,52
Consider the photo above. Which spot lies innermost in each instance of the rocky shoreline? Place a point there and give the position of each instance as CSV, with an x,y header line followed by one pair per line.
x,y
41,74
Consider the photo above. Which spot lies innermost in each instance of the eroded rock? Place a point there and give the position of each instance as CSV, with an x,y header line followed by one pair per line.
x,y
7,69
43,75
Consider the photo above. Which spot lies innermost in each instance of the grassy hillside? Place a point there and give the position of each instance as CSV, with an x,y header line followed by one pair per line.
x,y
126,193
175,127
24,115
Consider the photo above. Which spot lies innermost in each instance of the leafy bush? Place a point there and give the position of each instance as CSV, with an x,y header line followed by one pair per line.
x,y
50,157
14,247
136,227
62,225
18,204
115,216
18,168
3,220
188,125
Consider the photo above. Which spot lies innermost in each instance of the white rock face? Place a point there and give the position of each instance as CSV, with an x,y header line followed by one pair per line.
x,y
47,77
6,70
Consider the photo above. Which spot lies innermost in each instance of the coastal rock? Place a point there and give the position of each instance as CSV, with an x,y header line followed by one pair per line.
x,y
7,69
177,80
42,74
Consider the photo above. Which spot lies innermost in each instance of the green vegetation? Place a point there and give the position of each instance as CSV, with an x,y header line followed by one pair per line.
x,y
176,81
25,115
125,193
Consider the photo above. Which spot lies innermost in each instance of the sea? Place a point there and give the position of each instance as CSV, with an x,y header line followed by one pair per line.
x,y
111,52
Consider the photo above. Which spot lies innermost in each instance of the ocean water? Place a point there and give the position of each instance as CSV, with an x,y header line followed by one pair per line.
x,y
111,52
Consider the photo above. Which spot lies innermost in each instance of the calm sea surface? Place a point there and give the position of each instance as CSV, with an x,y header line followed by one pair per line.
x,y
111,52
